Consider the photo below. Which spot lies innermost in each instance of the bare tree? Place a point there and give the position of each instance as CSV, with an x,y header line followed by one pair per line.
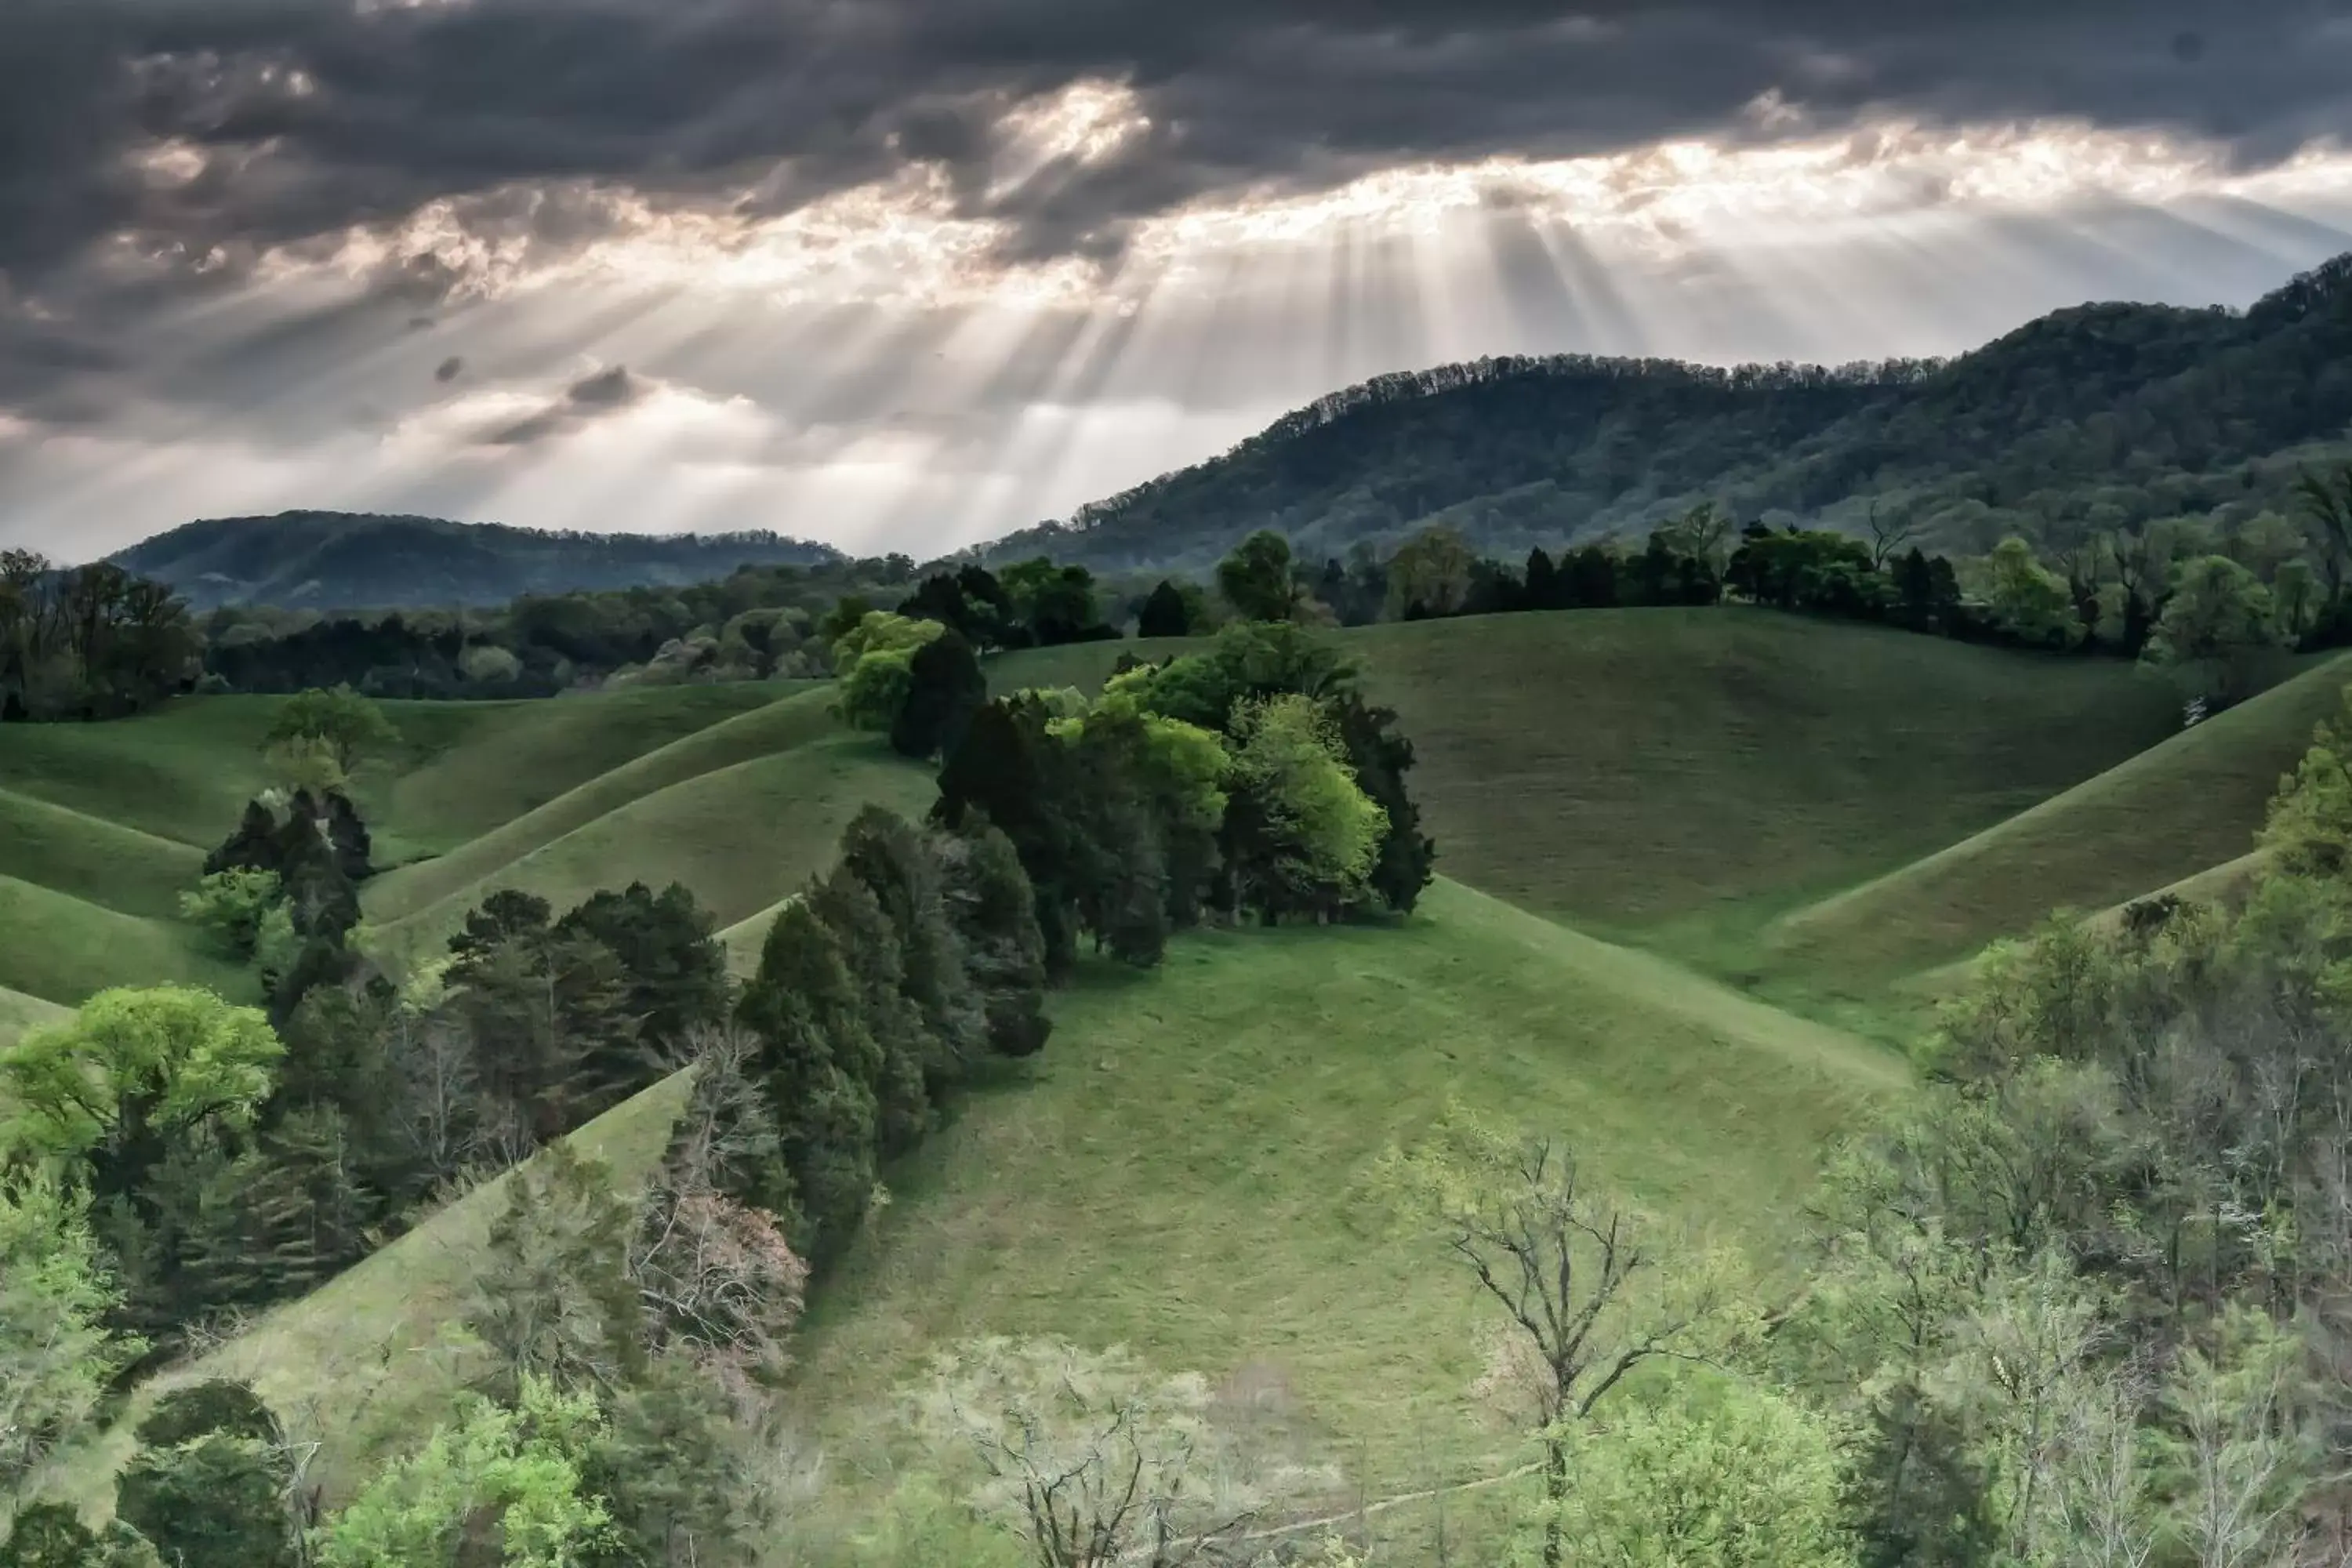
x,y
1888,534
1093,1461
1569,1269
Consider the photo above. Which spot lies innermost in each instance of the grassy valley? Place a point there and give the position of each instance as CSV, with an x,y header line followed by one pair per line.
x,y
1695,863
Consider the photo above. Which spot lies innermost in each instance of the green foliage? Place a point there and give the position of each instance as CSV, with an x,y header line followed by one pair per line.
x,y
232,905
675,970
133,1067
2216,630
553,1304
48,1535
1429,575
519,1471
1315,835
87,642
873,660
1170,612
57,1354
2029,601
346,724
1739,1478
212,1496
944,688
1255,578
818,1065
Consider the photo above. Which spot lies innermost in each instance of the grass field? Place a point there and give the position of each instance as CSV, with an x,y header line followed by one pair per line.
x,y
740,836
20,1014
62,949
777,725
104,862
2191,803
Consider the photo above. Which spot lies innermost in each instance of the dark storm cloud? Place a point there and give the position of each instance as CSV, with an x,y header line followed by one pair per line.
x,y
315,116
583,401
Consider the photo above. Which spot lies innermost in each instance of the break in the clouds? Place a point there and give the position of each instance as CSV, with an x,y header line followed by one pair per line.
x,y
904,271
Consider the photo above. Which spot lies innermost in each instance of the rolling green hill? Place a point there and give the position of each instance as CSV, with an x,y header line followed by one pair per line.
x,y
92,859
1181,1171
62,949
774,726
2165,815
1679,775
740,836
20,1014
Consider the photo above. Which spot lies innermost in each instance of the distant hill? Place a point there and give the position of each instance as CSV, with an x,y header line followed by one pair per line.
x,y
333,560
2100,415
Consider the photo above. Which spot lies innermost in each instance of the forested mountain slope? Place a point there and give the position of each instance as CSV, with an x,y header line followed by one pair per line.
x,y
2099,415
328,560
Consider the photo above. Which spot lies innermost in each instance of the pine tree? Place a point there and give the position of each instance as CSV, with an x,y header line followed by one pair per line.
x,y
868,944
995,915
554,1298
896,863
945,689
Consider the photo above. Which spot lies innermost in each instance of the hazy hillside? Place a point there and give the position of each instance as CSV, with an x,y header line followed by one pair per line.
x,y
2104,414
328,560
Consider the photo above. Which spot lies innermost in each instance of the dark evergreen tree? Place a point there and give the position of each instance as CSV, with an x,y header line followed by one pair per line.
x,y
1165,613
1542,582
868,944
1381,757
816,1061
945,689
252,848
210,1486
896,861
674,971
995,915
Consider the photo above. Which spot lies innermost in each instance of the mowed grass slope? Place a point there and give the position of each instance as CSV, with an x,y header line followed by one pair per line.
x,y
2175,814
20,1015
63,950
1186,1171
515,756
103,862
777,725
741,837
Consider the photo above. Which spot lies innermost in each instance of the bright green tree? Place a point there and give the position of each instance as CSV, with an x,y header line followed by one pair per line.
x,y
346,724
57,1356
1745,1479
874,662
132,1069
2217,630
1315,833
521,1467
2029,601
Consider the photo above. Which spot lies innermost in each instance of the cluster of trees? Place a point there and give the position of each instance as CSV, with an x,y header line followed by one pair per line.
x,y
760,622
91,642
1251,778
343,561
621,1411
230,1157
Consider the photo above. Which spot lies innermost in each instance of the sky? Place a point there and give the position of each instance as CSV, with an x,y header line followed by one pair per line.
x,y
904,274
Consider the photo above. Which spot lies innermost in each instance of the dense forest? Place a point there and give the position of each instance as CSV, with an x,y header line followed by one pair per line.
x,y
2093,419
341,561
